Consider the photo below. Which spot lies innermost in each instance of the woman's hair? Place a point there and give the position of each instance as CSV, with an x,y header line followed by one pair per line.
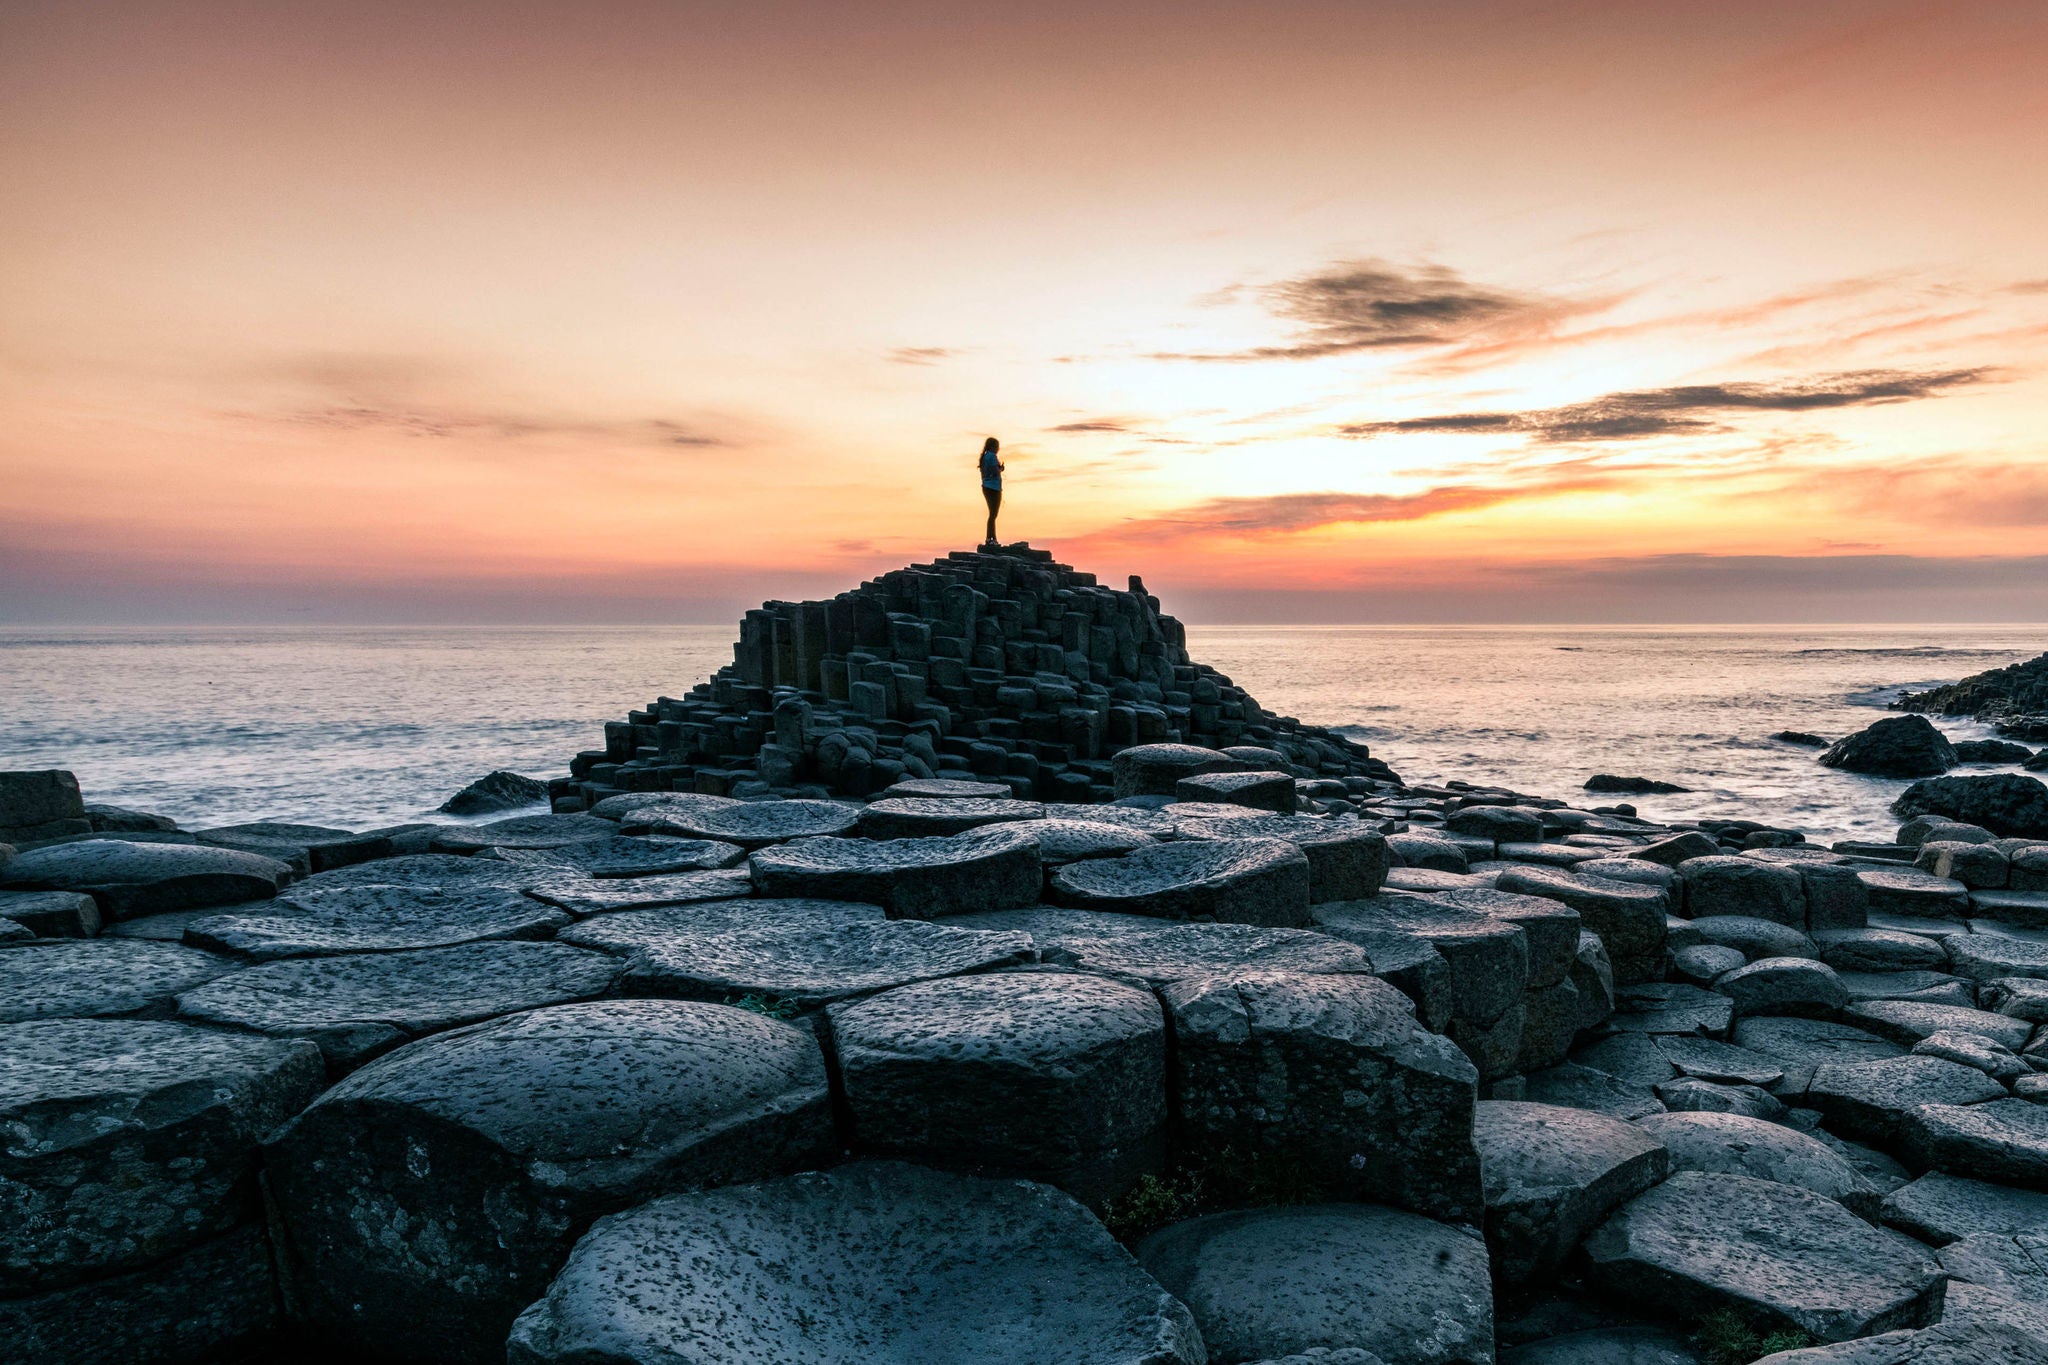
x,y
990,446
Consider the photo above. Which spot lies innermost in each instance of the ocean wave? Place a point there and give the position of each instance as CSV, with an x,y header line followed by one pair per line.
x,y
1916,652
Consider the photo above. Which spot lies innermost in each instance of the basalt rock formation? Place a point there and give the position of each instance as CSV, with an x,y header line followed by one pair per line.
x,y
2015,699
999,666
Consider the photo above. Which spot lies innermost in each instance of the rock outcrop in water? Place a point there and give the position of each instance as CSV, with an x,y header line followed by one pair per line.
x,y
883,1061
2015,699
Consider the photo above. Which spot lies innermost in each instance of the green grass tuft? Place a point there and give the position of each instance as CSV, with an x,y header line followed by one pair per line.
x,y
768,1005
1727,1339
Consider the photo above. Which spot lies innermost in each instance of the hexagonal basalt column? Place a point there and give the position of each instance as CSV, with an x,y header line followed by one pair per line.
x,y
1242,881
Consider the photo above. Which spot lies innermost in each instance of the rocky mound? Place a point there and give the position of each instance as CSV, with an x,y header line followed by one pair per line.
x,y
2014,698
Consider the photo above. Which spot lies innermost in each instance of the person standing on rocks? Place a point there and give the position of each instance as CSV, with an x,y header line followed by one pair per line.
x,y
991,485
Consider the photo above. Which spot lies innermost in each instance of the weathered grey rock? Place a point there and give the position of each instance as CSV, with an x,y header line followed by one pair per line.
x,y
582,896
945,788
1242,881
1689,1094
1159,824
1784,985
1678,849
1158,954
1726,884
126,1140
1897,746
1347,858
493,792
1488,957
1771,1253
1878,950
358,1006
1836,897
1907,891
1275,1281
80,978
12,932
1069,841
1978,866
1801,1045
1753,937
2011,1263
1550,1025
1494,1046
1607,1346
1552,1173
929,817
1870,1101
40,804
2026,908
1699,966
1329,1076
1972,1050
1922,828
792,953
627,805
2022,997
1156,769
1272,791
1592,976
2005,1140
52,914
1054,1076
1428,851
200,1304
130,879
431,1196
1628,916
319,848
877,1262
1709,1059
1942,1208
1736,1144
1908,1021
985,869
525,831
442,871
1988,957
1934,988
1550,928
1945,1343
1976,1306
1501,824
1424,881
376,919
1671,1007
623,856
1583,1087
2007,804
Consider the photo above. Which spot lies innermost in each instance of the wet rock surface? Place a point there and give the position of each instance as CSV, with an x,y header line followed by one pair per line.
x,y
376,919
987,869
1241,881
129,879
77,979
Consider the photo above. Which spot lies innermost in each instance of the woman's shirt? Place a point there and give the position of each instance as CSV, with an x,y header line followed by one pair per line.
x,y
991,471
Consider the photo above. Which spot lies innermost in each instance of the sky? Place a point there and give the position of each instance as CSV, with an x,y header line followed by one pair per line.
x,y
1306,312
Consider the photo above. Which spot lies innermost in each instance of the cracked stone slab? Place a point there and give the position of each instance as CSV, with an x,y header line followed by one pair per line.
x,y
623,856
1347,857
1552,1174
130,879
1069,841
1241,881
1736,1144
996,868
1908,1021
445,871
432,1194
1870,1101
376,919
1801,1045
924,817
811,1270
358,1006
1488,957
1670,1007
128,1139
1942,1208
751,824
1987,957
319,848
2004,1140
90,978
1583,1087
584,896
524,831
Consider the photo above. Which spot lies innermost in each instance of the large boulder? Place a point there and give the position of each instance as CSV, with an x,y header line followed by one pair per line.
x,y
1241,881
376,919
1053,1076
876,1262
585,896
2008,804
359,1006
1773,1254
1736,1144
1897,746
126,1140
1347,858
431,1196
81,978
130,879
1552,1174
1281,1281
40,804
1329,1077
996,868
495,792
1784,985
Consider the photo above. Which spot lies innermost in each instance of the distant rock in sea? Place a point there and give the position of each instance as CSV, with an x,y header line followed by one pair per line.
x,y
1897,746
498,791
2014,698
1800,737
1992,751
1630,786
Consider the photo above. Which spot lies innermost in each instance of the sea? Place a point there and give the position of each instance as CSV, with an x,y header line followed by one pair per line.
x,y
359,727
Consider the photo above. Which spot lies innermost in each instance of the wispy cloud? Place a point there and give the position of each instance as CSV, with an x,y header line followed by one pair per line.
x,y
1094,424
1684,409
436,423
920,355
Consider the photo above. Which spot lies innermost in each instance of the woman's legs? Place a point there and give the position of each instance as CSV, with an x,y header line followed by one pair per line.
x,y
994,497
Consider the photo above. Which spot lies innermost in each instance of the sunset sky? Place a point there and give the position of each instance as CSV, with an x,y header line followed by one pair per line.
x,y
597,312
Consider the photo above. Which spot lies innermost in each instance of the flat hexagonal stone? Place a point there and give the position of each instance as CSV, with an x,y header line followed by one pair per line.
x,y
877,1262
445,871
1987,957
1878,950
1736,1144
1905,891
1628,916
358,1006
986,869
945,788
318,846
1709,1059
1784,985
1776,1255
2011,1263
1670,1007
757,824
130,879
507,1139
376,919
1942,1208
524,831
1552,1173
1551,928
1281,1281
1157,823
1583,1087
927,817
1069,841
624,856
800,953
1908,1021
1376,1107
1801,1045
629,804
1488,957
589,896
1869,1101
1052,1076
1146,952
1239,881
1754,937
2005,1140
1156,769
1347,858
1933,988
127,1139
88,978
1273,791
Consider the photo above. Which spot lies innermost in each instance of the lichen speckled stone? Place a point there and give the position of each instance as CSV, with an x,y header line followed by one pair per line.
x,y
623,856
631,808
2005,1140
755,824
376,919
583,896
1552,1174
358,1006
995,868
123,1140
131,879
523,831
1052,1076
1156,769
431,1196
1238,881
1347,858
923,817
1069,841
445,871
94,978
944,788
1488,957
878,1262
1736,1144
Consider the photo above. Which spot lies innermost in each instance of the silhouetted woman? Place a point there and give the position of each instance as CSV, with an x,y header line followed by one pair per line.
x,y
991,484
